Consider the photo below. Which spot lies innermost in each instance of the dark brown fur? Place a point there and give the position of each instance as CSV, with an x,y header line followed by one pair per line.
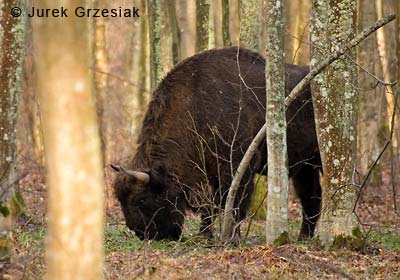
x,y
200,121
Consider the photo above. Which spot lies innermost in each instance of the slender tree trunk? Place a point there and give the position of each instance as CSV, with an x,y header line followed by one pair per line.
x,y
144,65
154,21
251,21
370,101
234,22
384,50
75,179
100,68
250,24
12,30
389,93
218,26
396,164
202,24
335,107
278,175
136,107
186,14
297,48
166,38
226,23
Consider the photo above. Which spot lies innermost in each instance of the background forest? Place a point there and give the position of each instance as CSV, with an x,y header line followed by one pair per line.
x,y
126,60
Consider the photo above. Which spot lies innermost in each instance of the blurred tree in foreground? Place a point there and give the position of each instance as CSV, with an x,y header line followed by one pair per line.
x,y
12,33
73,156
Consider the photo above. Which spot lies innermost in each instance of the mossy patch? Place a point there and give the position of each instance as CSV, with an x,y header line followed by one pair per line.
x,y
282,239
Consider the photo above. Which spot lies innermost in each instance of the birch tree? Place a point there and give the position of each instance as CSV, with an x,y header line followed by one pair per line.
x,y
278,180
12,32
335,107
73,158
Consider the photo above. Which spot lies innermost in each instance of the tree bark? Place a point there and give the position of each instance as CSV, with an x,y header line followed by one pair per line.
x,y
218,23
144,63
74,168
298,36
12,49
335,106
387,77
186,14
100,61
166,38
202,24
154,21
278,173
370,100
234,22
250,24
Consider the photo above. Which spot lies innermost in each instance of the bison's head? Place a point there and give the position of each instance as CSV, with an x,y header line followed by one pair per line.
x,y
152,209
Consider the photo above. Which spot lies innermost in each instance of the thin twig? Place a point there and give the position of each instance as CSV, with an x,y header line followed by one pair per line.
x,y
129,82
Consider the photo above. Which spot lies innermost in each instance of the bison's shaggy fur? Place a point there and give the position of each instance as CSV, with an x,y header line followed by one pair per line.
x,y
200,121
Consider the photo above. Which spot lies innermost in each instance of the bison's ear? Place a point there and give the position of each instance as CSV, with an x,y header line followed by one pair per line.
x,y
158,175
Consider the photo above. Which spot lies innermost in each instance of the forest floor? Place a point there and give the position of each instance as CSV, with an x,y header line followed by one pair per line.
x,y
193,257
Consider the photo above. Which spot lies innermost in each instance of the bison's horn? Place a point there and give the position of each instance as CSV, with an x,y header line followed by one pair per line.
x,y
142,177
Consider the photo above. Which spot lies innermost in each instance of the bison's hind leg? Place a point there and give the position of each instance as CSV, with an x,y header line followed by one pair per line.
x,y
308,189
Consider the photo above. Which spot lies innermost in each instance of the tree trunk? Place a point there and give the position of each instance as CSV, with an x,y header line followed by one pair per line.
x,y
369,124
100,62
74,168
396,158
186,14
335,107
385,50
166,38
278,176
234,22
218,26
387,77
12,45
297,48
250,31
250,24
202,24
140,69
154,21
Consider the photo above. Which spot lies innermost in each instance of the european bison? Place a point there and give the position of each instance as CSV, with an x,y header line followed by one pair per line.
x,y
200,121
